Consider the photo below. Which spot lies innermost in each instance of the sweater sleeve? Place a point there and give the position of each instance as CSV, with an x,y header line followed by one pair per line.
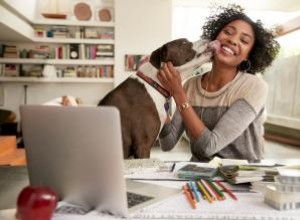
x,y
171,132
232,124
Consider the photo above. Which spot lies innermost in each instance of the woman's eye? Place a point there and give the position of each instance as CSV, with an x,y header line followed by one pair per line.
x,y
244,41
228,32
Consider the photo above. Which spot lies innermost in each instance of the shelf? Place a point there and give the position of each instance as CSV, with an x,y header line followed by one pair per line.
x,y
104,61
72,40
73,23
55,80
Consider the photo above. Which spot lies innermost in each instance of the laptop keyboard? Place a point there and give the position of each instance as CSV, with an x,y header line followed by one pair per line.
x,y
134,199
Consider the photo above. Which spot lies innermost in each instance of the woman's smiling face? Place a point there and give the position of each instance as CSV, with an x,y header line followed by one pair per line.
x,y
237,39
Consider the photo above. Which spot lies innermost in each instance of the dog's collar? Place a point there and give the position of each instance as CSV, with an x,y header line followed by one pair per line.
x,y
154,84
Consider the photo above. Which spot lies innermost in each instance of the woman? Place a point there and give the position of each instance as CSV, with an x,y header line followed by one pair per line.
x,y
221,111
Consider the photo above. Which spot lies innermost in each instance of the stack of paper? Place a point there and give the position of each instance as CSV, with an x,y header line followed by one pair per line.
x,y
284,194
248,173
145,166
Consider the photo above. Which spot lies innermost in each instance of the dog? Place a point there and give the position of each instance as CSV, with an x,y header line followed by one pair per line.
x,y
141,99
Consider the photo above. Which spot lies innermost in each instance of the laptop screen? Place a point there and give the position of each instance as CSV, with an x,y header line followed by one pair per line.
x,y
78,152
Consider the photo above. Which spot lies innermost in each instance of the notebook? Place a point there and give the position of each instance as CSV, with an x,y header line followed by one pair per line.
x,y
78,152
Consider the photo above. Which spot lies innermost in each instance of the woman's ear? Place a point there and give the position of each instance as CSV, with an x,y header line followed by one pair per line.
x,y
245,65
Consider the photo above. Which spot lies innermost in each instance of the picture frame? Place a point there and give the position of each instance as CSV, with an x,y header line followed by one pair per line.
x,y
133,62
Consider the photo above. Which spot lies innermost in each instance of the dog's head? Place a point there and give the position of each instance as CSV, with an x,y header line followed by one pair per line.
x,y
178,52
184,54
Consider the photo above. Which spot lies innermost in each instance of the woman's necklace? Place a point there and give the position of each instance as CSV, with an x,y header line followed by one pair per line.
x,y
205,91
204,95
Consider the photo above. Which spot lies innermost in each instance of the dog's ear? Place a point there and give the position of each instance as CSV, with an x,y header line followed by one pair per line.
x,y
155,58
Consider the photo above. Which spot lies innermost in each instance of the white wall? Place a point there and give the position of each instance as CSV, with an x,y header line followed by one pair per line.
x,y
26,8
13,24
38,93
141,27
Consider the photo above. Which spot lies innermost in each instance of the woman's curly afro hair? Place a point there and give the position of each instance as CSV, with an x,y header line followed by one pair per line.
x,y
265,47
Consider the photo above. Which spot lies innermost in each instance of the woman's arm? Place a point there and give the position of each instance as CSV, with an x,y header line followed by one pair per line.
x,y
171,132
170,79
230,126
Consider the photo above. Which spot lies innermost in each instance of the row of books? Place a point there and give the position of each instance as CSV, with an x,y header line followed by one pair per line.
x,y
16,70
105,71
29,70
8,51
61,31
67,51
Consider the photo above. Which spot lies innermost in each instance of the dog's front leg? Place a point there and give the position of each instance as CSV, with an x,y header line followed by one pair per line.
x,y
143,151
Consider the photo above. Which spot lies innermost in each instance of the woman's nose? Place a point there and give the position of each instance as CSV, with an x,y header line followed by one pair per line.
x,y
233,40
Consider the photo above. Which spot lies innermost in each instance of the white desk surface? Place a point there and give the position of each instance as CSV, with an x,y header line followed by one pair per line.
x,y
248,207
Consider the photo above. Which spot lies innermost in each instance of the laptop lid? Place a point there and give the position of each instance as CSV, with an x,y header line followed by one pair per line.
x,y
78,152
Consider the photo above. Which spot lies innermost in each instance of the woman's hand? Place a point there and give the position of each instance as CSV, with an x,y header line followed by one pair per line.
x,y
170,79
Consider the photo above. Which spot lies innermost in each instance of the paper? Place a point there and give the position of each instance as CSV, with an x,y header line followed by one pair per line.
x,y
217,161
142,166
154,174
248,206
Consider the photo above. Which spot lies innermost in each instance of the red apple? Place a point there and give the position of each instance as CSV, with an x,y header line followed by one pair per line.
x,y
36,203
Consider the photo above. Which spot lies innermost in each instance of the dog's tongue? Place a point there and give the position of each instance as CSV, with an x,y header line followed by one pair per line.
x,y
214,46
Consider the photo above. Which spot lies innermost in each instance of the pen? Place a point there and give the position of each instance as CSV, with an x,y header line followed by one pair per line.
x,y
188,197
205,192
173,167
230,193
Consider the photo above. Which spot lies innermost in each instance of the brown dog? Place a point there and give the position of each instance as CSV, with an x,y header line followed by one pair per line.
x,y
141,99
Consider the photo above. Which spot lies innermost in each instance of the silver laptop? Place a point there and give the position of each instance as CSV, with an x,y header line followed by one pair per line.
x,y
78,152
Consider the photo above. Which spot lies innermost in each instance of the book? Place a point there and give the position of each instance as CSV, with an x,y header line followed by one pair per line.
x,y
195,172
248,173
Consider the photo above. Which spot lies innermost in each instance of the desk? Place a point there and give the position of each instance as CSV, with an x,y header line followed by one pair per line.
x,y
13,179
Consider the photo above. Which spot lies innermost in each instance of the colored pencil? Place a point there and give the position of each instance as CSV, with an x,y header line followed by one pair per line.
x,y
193,186
212,189
207,196
217,189
200,191
230,193
189,189
204,184
188,197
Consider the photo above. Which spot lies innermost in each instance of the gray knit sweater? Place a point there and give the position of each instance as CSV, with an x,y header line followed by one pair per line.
x,y
232,117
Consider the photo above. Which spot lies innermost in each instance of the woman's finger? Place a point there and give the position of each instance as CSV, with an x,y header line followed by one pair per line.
x,y
175,74
167,71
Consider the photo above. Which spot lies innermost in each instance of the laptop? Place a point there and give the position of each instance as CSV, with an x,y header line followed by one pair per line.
x,y
78,152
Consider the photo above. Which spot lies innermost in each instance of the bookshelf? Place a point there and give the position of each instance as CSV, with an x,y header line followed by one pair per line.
x,y
93,48
107,61
41,51
66,44
128,40
56,80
